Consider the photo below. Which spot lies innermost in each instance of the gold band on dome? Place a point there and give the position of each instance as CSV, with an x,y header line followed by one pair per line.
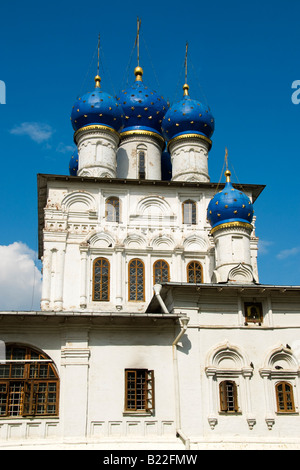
x,y
96,127
232,225
141,132
190,136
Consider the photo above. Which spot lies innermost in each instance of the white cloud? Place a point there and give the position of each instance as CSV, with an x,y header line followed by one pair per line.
x,y
263,246
63,148
287,253
38,132
20,279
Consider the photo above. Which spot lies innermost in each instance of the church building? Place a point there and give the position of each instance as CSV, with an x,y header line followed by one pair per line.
x,y
154,330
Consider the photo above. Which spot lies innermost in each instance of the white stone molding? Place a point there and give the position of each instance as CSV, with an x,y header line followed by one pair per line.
x,y
195,243
79,201
227,361
241,274
280,364
162,242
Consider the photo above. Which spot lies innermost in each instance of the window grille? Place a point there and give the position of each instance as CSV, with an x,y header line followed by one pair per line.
x,y
29,384
194,272
139,390
284,397
136,280
161,272
228,396
101,279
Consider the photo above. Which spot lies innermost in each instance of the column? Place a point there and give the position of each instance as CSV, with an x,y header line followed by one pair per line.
x,y
119,272
46,288
83,270
59,279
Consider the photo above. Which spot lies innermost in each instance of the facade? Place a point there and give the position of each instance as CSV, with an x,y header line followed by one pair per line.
x,y
154,331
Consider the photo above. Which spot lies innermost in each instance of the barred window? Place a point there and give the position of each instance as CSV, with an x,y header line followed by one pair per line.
x,y
139,390
189,212
194,272
29,384
112,209
161,272
136,271
228,396
101,279
284,397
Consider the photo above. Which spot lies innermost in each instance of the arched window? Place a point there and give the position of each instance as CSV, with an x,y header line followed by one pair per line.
x,y
29,384
284,397
101,279
189,212
228,396
161,272
194,272
112,209
136,275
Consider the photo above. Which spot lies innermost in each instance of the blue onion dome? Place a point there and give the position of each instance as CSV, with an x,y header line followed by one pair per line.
x,y
188,116
143,107
230,206
73,164
166,166
96,108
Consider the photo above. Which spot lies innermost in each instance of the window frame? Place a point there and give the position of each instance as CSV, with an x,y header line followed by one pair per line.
x,y
147,390
141,164
101,282
155,267
285,393
115,202
192,213
224,396
26,404
194,271
136,283
249,318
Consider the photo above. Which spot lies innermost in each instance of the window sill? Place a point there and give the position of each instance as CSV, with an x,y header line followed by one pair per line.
x,y
137,413
36,417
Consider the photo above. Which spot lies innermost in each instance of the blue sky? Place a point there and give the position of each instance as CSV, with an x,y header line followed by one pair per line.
x,y
243,59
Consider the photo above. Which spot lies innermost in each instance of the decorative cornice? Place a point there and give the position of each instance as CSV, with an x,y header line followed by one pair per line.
x,y
190,136
139,132
95,127
230,225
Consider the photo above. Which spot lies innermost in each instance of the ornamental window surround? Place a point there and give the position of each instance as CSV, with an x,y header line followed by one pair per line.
x,y
280,374
29,383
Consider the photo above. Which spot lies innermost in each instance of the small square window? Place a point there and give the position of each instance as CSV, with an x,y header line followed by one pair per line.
x,y
253,312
